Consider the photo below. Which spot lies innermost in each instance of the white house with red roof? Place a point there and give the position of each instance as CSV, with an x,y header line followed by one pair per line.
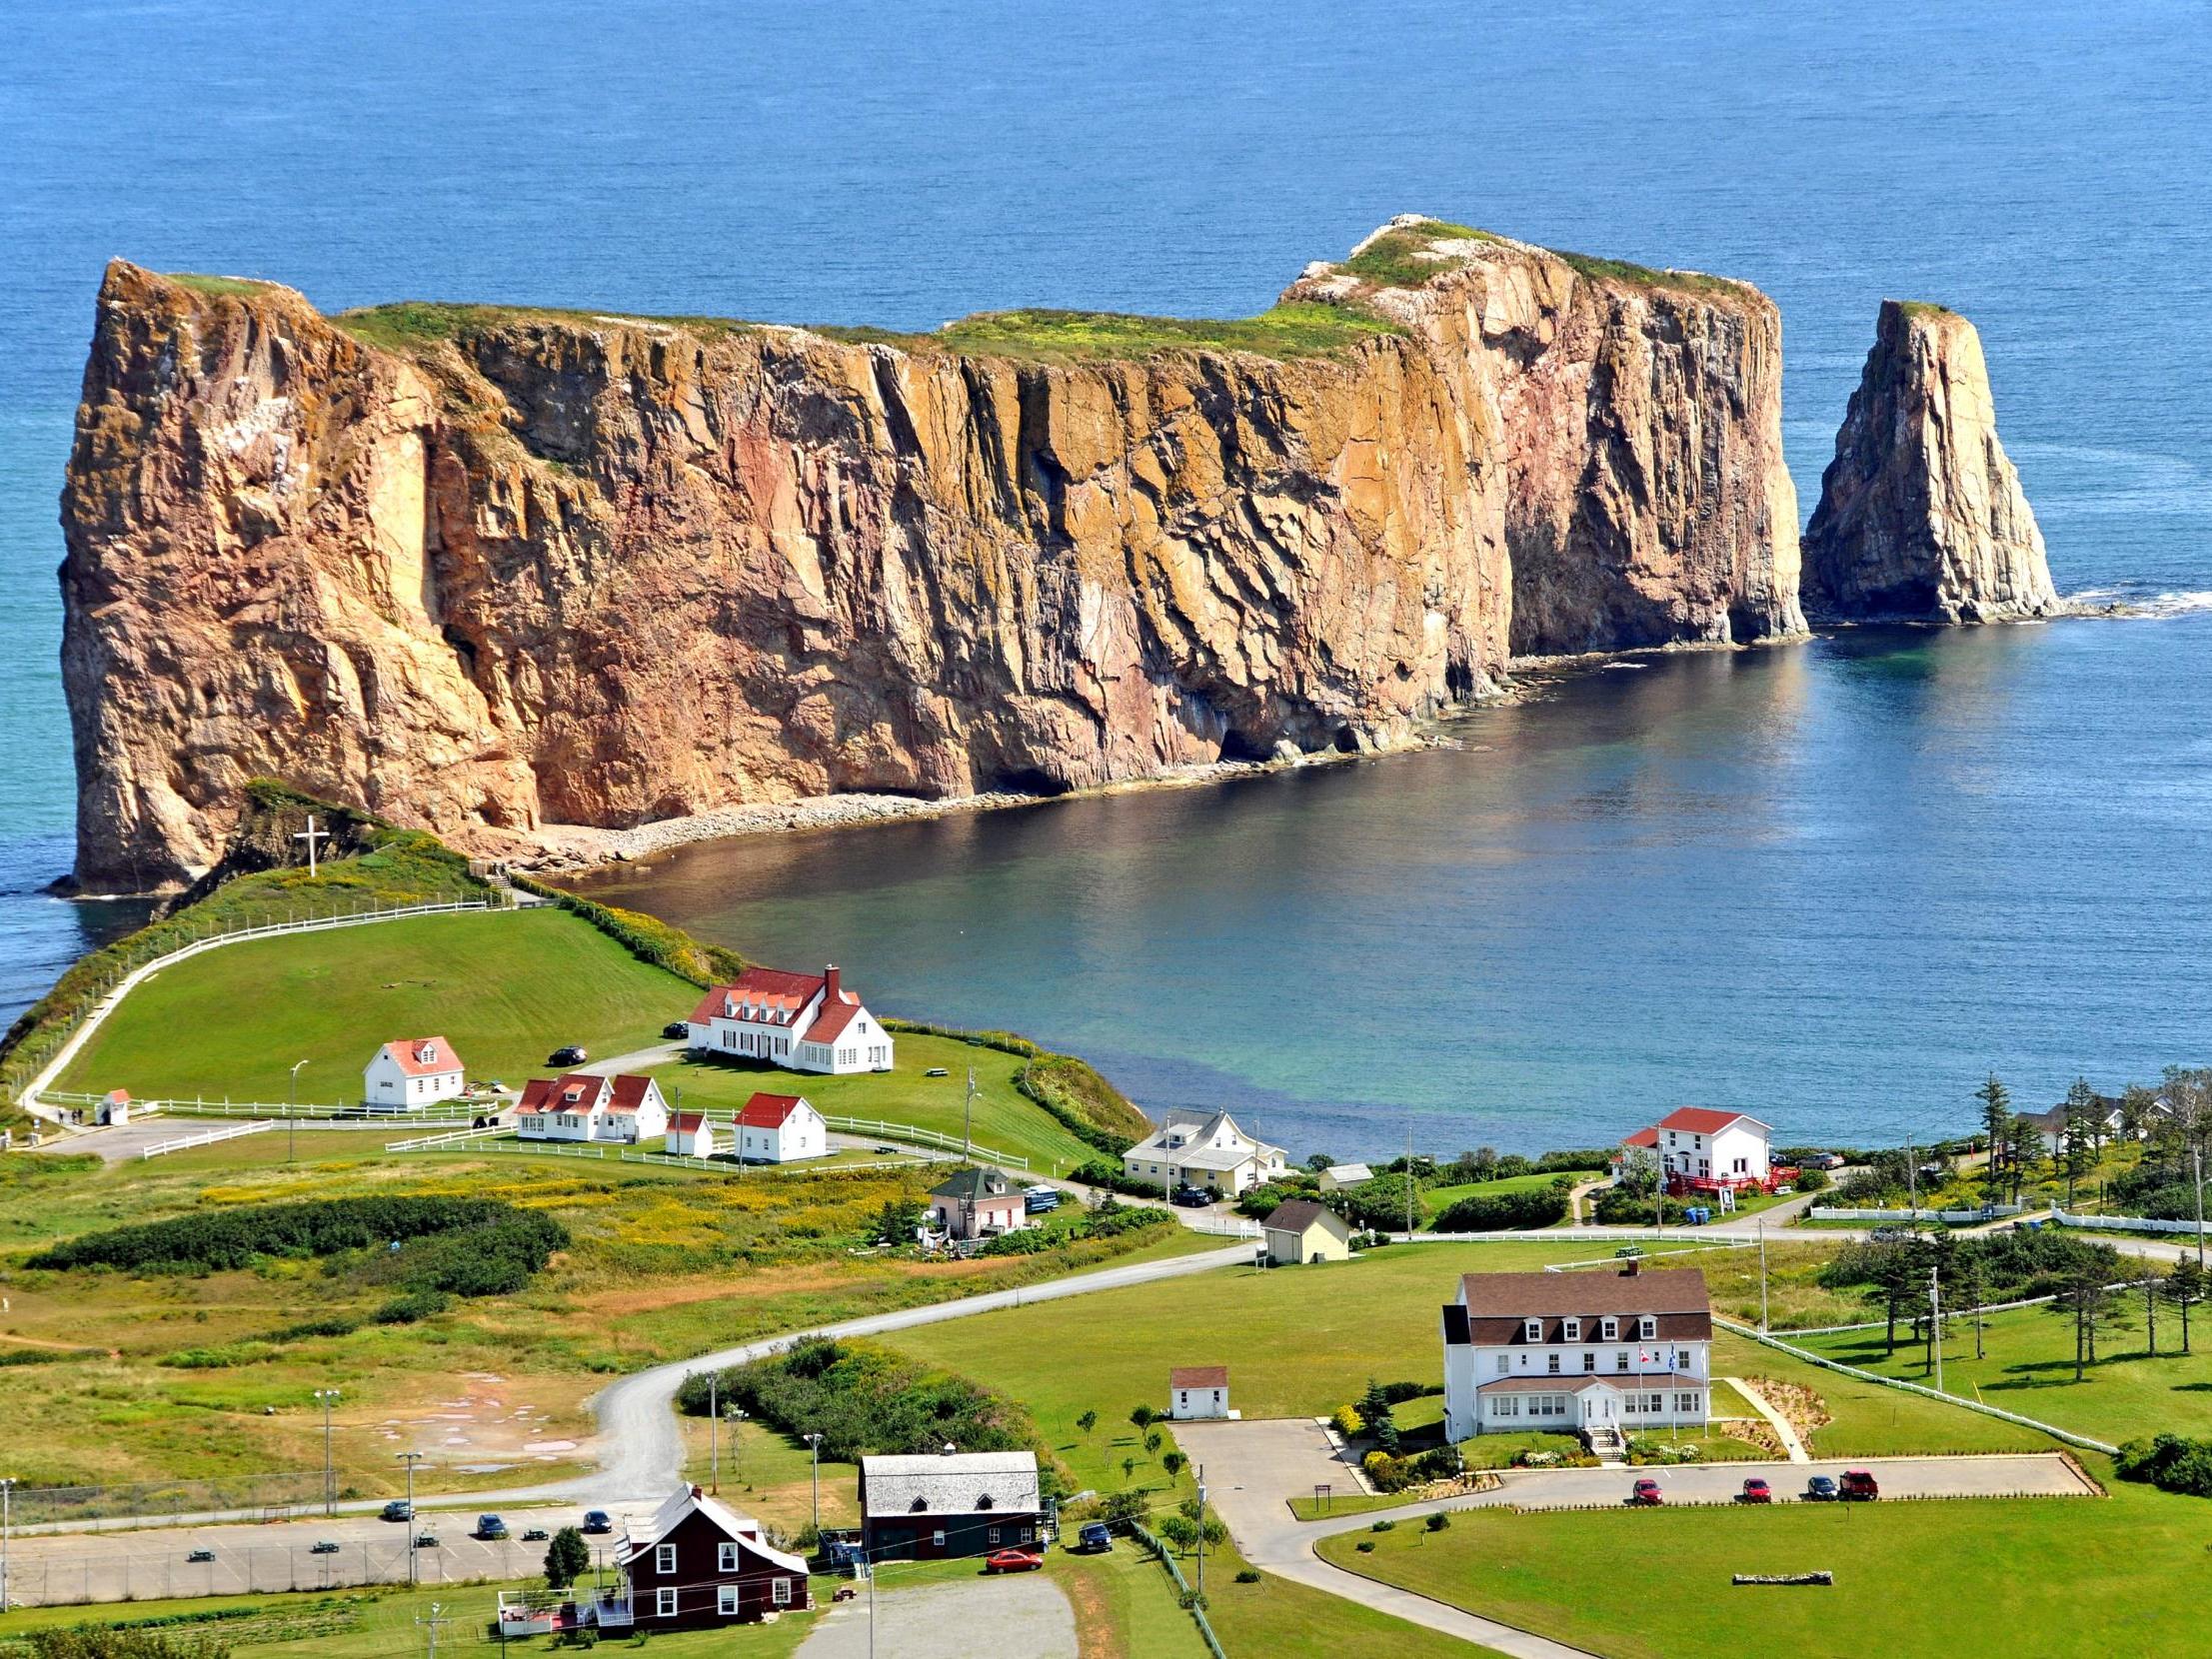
x,y
800,1021
781,1128
693,1134
626,1110
1703,1148
410,1075
1604,1355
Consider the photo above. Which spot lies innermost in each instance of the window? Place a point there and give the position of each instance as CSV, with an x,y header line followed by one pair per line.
x,y
664,1558
726,1559
782,1593
1551,1363
664,1603
1573,1331
1504,1365
1589,1359
725,1600
1610,1330
1648,1326
1687,1404
1620,1361
990,1536
936,1538
1681,1359
983,1502
1654,1403
1504,1405
1532,1329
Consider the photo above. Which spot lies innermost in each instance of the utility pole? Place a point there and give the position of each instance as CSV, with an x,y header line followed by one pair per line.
x,y
714,1432
1912,1184
290,1123
330,1479
1408,1230
1935,1323
1202,1494
437,1616
814,1442
7,1491
968,1121
2196,1162
1763,1274
411,1458
737,1414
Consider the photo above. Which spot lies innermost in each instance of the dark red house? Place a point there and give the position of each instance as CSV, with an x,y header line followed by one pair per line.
x,y
948,1503
697,1565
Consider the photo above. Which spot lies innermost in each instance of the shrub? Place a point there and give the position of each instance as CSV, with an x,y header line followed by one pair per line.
x,y
1499,1211
1248,1575
568,1558
1812,1180
415,1305
1083,1103
1383,1526
315,1327
648,938
226,1239
1438,1522
2171,1462
1365,1546
1347,1421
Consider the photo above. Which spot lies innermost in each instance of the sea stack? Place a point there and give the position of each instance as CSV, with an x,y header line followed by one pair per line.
x,y
1921,518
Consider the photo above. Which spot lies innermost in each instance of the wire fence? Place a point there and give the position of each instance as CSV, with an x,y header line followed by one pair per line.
x,y
138,1569
168,1502
1188,1595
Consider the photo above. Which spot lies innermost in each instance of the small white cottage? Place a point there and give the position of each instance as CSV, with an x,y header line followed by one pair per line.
x,y
781,1128
1198,1393
409,1075
692,1135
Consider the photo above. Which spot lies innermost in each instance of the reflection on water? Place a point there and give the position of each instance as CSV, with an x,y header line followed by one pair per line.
x,y
1833,883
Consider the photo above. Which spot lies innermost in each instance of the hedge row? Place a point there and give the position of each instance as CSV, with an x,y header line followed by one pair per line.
x,y
1073,1093
2171,1462
1498,1211
648,938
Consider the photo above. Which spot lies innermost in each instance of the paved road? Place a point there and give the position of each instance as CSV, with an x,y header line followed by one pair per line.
x,y
1254,1469
1025,1617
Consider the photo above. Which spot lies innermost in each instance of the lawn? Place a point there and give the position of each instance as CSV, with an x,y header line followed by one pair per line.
x,y
1006,1121
2029,1368
2026,1579
507,988
1437,1199
1285,331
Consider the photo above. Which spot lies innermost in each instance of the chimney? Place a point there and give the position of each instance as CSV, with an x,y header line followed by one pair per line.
x,y
830,983
699,1491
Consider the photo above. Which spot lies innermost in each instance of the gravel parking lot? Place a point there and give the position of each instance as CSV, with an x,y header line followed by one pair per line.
x,y
1027,1617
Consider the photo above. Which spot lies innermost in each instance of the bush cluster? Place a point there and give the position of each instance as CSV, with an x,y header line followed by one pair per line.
x,y
1496,1211
2171,1462
1075,1096
648,938
1616,1207
222,1239
861,1398
1388,1473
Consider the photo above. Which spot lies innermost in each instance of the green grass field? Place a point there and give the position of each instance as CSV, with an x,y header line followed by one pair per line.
x,y
506,988
2029,1368
1996,1579
1437,1199
1006,1121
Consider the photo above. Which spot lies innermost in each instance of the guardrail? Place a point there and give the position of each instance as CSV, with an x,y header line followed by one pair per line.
x,y
206,1138
929,1138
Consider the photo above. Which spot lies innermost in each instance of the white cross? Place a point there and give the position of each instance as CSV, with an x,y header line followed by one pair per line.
x,y
311,836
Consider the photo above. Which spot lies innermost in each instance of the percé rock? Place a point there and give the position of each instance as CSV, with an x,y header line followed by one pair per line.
x,y
1921,518
486,569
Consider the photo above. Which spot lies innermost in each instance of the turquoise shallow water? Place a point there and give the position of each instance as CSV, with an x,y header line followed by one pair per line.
x,y
1845,875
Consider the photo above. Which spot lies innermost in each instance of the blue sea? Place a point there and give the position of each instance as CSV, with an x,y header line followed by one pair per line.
x,y
1835,883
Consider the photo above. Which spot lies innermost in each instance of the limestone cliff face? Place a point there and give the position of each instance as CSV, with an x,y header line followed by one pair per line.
x,y
1921,518
485,570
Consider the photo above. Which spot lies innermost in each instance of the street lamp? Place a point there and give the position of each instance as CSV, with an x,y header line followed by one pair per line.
x,y
410,1458
290,1123
734,1415
330,1483
7,1490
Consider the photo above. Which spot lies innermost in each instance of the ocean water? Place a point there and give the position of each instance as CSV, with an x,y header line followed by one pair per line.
x,y
1834,882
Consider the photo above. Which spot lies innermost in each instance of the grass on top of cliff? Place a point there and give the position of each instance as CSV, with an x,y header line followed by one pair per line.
x,y
1643,276
1285,331
406,325
1404,256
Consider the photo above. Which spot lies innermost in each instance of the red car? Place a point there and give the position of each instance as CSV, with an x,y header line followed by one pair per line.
x,y
1013,1561
1859,1484
1646,1492
1756,1490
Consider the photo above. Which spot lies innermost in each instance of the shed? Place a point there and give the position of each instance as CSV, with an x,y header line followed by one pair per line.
x,y
1300,1231
1197,1392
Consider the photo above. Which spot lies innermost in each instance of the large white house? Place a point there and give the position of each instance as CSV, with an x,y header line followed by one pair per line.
x,y
626,1110
409,1075
1201,1149
801,1021
1699,1143
781,1128
1599,1354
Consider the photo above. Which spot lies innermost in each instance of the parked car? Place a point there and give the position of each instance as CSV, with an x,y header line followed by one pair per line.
x,y
1859,1484
1038,1199
324,1546
1756,1490
598,1520
570,1056
536,1535
1093,1538
1191,1198
1013,1561
399,1509
1646,1492
936,1072
1820,1489
1828,1161
426,1541
887,1151
489,1526
677,1028
199,1555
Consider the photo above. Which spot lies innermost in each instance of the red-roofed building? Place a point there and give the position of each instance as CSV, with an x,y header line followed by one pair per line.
x,y
626,1110
1703,1150
800,1021
781,1128
409,1075
693,1134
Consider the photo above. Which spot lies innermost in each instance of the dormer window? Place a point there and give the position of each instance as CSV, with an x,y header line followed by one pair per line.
x,y
1573,1331
983,1502
1611,1330
1532,1329
920,1505
1648,1326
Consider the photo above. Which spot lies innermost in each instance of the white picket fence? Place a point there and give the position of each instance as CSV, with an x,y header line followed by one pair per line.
x,y
480,1142
2126,1223
206,1138
452,1138
928,1137
1952,1217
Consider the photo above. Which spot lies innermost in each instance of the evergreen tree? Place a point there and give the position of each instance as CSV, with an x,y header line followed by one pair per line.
x,y
568,1557
2185,1286
2085,1299
2078,1145
1996,1119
